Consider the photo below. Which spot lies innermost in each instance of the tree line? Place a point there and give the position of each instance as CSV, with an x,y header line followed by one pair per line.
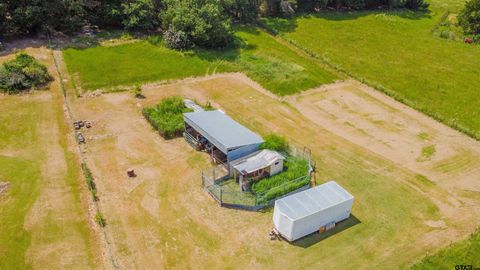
x,y
185,23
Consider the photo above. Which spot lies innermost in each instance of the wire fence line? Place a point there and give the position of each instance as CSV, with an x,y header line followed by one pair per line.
x,y
226,191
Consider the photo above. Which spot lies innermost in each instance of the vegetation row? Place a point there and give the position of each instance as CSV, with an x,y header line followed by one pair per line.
x,y
185,23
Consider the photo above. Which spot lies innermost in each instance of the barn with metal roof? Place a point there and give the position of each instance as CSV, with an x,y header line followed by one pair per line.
x,y
220,135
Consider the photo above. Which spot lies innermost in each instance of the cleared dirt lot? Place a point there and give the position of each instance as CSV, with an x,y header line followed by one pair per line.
x,y
395,131
163,219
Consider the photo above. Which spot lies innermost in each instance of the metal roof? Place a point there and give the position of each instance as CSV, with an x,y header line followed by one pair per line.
x,y
256,161
192,105
313,200
221,130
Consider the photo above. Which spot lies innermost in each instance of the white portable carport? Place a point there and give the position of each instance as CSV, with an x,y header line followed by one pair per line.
x,y
303,213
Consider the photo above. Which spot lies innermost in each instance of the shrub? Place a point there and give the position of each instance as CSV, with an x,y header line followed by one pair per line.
x,y
167,117
275,142
100,219
469,17
176,39
21,73
137,92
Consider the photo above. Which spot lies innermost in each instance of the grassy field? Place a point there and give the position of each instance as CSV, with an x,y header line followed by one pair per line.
x,y
43,221
396,52
461,253
165,211
274,66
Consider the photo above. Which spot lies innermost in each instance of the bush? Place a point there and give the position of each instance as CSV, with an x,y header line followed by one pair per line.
x,y
137,92
177,39
445,34
294,168
275,142
167,117
469,17
23,72
100,219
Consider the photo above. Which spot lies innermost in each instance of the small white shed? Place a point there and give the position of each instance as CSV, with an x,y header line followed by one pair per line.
x,y
315,209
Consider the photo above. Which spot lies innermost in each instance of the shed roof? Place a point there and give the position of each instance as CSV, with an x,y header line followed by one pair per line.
x,y
221,130
256,161
313,200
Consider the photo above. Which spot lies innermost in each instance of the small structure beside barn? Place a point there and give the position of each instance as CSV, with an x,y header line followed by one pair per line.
x,y
315,209
221,136
256,166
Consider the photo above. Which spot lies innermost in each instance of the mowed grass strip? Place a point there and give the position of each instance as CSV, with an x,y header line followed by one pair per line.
x,y
395,51
274,66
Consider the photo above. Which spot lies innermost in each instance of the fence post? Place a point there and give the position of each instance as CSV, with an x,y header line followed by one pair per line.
x,y
221,194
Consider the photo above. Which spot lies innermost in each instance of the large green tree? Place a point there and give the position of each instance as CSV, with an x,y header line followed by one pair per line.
x,y
140,15
469,18
203,22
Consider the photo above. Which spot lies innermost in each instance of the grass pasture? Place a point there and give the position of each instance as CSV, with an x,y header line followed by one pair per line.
x,y
271,64
43,221
395,51
165,211
461,253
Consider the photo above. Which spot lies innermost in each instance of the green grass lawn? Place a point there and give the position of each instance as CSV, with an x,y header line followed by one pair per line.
x,y
395,51
39,215
463,252
274,66
23,174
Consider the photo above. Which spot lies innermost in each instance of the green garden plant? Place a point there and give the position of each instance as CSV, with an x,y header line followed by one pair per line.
x,y
275,142
167,116
284,182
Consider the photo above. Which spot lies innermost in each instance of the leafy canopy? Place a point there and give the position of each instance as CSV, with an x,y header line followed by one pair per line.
x,y
23,72
469,18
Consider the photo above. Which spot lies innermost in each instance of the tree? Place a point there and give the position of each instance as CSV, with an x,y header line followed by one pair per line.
x,y
245,11
203,22
469,17
139,15
416,4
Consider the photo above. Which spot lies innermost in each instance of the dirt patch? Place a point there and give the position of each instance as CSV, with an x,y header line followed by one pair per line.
x,y
4,186
386,127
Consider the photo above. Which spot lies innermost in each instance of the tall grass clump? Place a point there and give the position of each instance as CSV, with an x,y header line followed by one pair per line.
x,y
90,181
285,182
100,219
167,116
275,142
